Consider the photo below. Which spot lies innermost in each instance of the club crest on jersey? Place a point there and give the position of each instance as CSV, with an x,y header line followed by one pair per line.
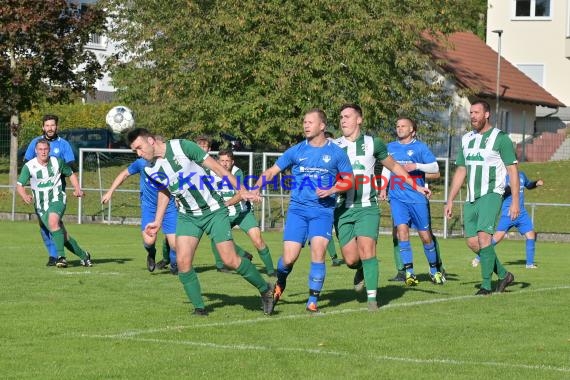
x,y
55,151
326,158
410,153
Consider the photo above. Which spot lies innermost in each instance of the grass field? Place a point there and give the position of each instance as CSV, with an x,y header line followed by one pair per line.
x,y
116,320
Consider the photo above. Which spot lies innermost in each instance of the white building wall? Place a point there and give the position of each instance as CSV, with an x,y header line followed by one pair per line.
x,y
535,41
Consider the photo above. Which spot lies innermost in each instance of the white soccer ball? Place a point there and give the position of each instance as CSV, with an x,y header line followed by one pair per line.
x,y
120,118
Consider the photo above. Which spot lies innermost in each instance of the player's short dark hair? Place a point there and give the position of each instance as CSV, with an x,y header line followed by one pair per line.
x,y
320,112
136,133
353,106
50,116
412,121
226,152
205,138
486,106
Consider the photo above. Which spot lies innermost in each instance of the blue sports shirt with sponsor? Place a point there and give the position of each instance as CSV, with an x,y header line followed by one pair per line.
x,y
148,190
312,168
415,152
58,148
524,183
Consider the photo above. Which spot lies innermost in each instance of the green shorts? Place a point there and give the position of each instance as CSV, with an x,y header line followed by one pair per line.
x,y
482,214
216,225
245,220
353,222
54,208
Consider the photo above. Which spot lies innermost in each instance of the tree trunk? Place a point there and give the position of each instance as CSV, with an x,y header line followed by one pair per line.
x,y
14,129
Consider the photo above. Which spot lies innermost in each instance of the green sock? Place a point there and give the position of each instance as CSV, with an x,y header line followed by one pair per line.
x,y
239,250
371,277
72,245
166,251
219,262
267,260
192,288
58,240
397,257
487,259
331,249
499,269
250,273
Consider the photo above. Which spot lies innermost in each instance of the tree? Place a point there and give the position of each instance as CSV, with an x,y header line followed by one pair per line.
x,y
42,56
252,67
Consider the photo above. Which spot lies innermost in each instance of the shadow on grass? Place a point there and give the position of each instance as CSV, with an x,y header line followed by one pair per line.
x,y
96,261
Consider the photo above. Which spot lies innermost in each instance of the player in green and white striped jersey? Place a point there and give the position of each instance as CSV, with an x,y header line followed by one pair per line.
x,y
179,170
44,173
357,215
240,211
485,158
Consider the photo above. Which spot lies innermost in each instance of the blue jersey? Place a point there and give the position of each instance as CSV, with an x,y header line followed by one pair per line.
x,y
524,183
58,148
313,168
415,152
148,192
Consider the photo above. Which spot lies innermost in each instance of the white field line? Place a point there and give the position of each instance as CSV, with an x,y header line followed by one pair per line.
x,y
357,357
87,273
132,333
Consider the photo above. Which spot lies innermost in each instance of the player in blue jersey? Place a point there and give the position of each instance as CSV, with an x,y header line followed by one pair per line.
x,y
148,202
320,169
410,208
59,148
523,223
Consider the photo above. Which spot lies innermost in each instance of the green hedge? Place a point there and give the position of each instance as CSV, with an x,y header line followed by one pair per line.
x,y
77,115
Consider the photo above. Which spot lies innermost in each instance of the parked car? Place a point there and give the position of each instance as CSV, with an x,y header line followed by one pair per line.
x,y
86,138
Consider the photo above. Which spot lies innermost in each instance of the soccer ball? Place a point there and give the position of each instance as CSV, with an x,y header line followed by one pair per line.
x,y
120,118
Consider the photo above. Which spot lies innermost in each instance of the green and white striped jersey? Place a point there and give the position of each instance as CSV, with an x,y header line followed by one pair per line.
x,y
181,173
226,190
485,156
363,154
45,181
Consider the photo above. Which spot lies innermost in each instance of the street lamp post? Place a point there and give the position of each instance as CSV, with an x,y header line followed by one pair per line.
x,y
499,32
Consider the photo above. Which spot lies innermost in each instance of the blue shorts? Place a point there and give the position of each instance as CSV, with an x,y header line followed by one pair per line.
x,y
148,214
411,214
304,223
523,223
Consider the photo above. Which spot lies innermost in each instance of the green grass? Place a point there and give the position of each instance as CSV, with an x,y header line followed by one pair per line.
x,y
116,320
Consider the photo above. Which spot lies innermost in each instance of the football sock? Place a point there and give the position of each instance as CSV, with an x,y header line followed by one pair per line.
x,y
250,273
317,273
265,256
438,254
172,256
240,251
217,258
192,288
406,255
530,248
489,264
331,249
150,249
431,256
397,257
282,273
371,277
57,237
48,242
72,245
166,251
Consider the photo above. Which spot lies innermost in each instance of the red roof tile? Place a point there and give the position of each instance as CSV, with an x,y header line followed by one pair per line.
x,y
474,66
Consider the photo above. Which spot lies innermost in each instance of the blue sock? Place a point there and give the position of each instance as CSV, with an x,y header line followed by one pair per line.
x,y
406,255
317,274
282,273
493,242
50,246
530,247
172,256
431,255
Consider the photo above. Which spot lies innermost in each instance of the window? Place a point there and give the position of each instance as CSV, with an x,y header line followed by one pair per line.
x,y
532,9
534,72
